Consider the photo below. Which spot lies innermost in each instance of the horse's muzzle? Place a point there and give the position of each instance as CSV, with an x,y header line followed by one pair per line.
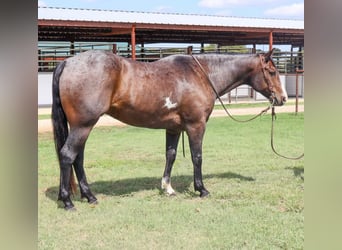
x,y
278,100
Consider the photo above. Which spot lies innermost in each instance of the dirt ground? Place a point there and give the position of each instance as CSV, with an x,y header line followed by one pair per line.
x,y
46,126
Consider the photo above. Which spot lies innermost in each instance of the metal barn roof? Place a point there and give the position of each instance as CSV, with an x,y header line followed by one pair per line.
x,y
70,24
48,13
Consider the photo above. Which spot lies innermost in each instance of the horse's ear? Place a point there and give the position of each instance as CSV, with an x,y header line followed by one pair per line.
x,y
268,55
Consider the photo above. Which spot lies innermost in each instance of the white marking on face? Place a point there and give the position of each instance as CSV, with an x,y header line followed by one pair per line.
x,y
168,103
284,90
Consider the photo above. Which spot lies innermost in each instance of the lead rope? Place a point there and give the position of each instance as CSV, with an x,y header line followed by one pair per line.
x,y
237,120
272,135
183,143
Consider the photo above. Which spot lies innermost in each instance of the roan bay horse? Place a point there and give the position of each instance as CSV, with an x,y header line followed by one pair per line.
x,y
173,93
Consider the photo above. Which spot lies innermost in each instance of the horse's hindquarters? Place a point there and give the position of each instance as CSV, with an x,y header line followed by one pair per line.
x,y
86,86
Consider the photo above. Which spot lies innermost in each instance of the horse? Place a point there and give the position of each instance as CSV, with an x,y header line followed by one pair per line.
x,y
173,93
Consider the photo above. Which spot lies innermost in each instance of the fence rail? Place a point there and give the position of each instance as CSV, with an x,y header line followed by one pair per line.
x,y
49,56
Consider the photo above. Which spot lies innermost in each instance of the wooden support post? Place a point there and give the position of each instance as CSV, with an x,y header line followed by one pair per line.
x,y
133,42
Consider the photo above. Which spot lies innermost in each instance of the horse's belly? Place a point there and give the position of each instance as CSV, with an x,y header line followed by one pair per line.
x,y
170,120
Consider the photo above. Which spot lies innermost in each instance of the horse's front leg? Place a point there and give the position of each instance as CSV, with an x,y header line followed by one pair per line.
x,y
195,134
172,139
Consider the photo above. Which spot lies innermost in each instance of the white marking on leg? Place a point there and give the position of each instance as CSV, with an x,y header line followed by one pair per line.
x,y
168,103
167,186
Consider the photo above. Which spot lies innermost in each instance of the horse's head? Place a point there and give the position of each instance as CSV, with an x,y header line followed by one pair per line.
x,y
266,80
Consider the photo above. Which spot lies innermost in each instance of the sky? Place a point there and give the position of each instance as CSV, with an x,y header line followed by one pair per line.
x,y
282,9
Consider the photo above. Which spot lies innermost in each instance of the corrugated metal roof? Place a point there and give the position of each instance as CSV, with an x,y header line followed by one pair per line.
x,y
69,14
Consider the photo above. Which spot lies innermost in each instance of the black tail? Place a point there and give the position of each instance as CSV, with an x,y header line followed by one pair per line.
x,y
59,121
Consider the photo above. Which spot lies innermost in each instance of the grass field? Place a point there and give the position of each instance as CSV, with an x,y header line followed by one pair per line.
x,y
256,201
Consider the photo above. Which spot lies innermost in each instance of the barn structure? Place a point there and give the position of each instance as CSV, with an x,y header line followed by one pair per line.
x,y
139,29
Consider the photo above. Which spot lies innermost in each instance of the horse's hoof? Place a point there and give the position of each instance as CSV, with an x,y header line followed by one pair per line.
x,y
93,203
70,208
92,200
204,193
171,194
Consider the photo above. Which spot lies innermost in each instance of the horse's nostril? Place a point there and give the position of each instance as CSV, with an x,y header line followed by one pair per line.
x,y
284,99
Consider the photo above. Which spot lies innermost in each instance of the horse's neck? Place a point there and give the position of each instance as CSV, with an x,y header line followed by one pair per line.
x,y
228,72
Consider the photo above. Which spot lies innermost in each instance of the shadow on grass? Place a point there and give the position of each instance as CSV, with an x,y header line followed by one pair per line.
x,y
128,186
298,172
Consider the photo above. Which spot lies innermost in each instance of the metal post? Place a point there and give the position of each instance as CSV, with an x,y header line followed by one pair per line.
x,y
252,95
291,60
189,50
114,48
300,58
40,63
133,42
72,48
296,90
254,49
270,40
297,71
202,48
142,53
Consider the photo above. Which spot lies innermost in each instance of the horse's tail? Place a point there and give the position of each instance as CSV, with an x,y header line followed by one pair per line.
x,y
59,120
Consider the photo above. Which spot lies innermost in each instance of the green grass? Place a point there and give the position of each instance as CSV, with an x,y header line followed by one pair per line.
x,y
44,116
256,199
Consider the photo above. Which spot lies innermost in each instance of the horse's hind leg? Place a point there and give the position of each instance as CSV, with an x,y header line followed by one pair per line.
x,y
82,179
72,147
171,151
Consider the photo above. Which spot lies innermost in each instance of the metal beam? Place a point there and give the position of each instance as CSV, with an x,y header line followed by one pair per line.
x,y
133,42
270,41
89,31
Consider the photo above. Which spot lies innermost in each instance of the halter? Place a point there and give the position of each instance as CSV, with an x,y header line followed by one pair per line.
x,y
268,81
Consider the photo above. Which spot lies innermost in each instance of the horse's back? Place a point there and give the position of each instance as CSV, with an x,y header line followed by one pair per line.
x,y
158,94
